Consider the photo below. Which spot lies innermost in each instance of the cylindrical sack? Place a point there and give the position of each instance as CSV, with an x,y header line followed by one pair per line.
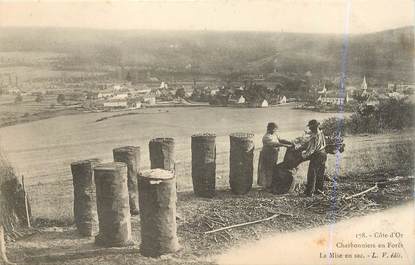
x,y
84,195
162,153
157,197
241,162
204,164
130,155
113,205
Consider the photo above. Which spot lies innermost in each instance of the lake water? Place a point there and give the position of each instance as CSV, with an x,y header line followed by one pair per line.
x,y
43,150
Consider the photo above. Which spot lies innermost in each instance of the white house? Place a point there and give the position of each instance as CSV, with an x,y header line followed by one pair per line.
x,y
105,94
143,91
116,104
164,85
391,86
121,96
283,100
214,92
116,87
241,100
14,91
264,103
156,92
134,105
333,99
396,95
149,99
401,87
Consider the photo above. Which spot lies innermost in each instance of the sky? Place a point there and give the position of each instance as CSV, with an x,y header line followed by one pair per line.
x,y
310,16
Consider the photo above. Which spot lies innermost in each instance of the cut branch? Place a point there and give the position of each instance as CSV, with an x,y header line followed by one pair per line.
x,y
247,223
361,193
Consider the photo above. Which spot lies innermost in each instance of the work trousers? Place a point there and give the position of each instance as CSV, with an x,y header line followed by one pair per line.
x,y
315,174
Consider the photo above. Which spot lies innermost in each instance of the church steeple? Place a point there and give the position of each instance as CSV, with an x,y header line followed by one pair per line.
x,y
364,84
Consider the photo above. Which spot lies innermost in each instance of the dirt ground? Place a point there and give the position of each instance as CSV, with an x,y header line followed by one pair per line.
x,y
62,245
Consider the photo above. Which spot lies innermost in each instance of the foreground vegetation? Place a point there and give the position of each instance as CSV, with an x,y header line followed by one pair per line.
x,y
14,209
62,245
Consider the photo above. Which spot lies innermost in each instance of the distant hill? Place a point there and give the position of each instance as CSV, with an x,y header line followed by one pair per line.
x,y
386,55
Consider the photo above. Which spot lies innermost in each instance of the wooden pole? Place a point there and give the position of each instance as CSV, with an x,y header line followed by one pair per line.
x,y
26,204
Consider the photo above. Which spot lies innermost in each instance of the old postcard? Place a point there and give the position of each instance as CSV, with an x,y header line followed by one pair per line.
x,y
207,132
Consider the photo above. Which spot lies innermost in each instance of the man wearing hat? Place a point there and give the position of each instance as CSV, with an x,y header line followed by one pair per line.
x,y
317,156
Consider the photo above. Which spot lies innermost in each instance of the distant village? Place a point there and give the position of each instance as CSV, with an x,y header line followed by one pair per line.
x,y
364,94
253,92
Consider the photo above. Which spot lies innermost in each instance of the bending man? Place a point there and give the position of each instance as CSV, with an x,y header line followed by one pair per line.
x,y
317,156
268,157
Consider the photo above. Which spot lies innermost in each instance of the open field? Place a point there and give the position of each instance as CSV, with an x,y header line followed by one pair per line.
x,y
30,110
43,150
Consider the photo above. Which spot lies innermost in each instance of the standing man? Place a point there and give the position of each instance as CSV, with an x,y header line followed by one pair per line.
x,y
314,152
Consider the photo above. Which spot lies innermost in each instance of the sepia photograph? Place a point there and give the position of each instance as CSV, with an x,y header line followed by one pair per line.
x,y
207,132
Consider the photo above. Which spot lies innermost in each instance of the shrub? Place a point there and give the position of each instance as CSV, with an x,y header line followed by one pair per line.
x,y
18,99
180,93
391,114
358,123
395,114
333,126
60,98
39,98
334,130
